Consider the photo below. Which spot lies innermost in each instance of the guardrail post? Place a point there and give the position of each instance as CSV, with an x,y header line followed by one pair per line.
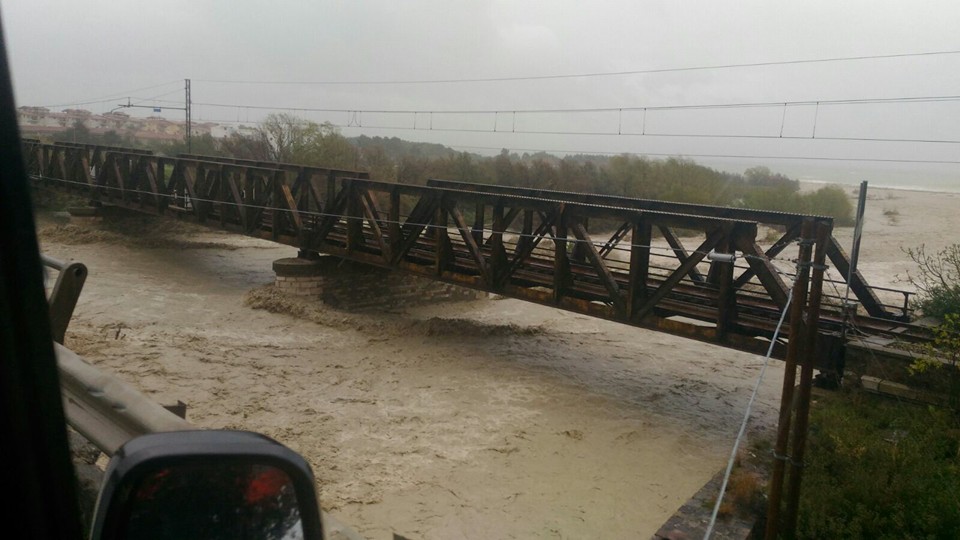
x,y
66,292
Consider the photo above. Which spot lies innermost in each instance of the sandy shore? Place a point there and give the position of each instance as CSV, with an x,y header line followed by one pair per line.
x,y
487,419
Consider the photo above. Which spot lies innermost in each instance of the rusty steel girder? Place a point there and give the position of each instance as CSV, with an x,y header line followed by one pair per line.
x,y
530,244
789,223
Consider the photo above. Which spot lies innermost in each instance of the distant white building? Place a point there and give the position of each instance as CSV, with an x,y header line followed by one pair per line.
x,y
43,121
219,131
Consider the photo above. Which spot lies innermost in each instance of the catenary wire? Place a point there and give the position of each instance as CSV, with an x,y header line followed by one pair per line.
x,y
653,154
111,97
702,106
621,133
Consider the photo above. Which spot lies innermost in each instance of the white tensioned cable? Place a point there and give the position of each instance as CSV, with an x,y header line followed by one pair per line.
x,y
746,419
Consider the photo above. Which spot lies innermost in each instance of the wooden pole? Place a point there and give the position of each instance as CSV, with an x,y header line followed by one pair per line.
x,y
789,379
801,422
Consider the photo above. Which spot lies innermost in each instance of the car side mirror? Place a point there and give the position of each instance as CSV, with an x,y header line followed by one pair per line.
x,y
207,484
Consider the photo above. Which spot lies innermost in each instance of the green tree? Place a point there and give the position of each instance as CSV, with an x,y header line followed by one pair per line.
x,y
375,159
624,176
764,177
504,172
412,170
830,201
574,176
204,145
779,199
243,146
543,175
77,132
289,139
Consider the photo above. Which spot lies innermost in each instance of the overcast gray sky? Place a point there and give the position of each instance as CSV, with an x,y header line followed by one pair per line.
x,y
68,51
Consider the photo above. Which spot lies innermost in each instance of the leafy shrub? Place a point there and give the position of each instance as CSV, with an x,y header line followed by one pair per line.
x,y
880,469
937,279
939,369
827,201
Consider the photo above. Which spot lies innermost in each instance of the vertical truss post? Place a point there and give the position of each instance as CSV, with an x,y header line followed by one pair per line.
x,y
478,216
393,227
526,232
498,254
580,248
561,262
354,217
160,178
277,218
222,189
328,204
443,255
722,272
640,238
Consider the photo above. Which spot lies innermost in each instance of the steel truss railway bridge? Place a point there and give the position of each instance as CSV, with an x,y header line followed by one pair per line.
x,y
616,258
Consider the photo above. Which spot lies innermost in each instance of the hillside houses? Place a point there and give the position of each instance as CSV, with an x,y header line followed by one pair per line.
x,y
40,121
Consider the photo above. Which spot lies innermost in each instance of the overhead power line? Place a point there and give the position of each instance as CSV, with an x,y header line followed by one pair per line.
x,y
631,134
742,105
688,155
639,154
711,156
357,124
591,74
109,97
422,119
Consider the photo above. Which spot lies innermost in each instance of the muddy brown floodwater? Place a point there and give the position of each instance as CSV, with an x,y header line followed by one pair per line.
x,y
486,419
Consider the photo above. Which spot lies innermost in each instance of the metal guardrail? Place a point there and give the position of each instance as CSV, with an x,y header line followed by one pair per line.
x,y
104,409
108,412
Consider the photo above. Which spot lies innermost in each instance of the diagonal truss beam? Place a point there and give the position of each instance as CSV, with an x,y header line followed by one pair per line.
x,y
466,233
681,253
606,277
789,236
713,238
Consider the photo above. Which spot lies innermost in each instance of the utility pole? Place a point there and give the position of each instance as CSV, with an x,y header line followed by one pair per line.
x,y
187,108
188,105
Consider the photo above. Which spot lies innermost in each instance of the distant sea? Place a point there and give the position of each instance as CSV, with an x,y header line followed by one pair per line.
x,y
939,179
943,177
930,183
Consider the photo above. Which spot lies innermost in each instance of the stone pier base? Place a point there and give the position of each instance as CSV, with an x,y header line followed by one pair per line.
x,y
85,215
355,286
301,277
